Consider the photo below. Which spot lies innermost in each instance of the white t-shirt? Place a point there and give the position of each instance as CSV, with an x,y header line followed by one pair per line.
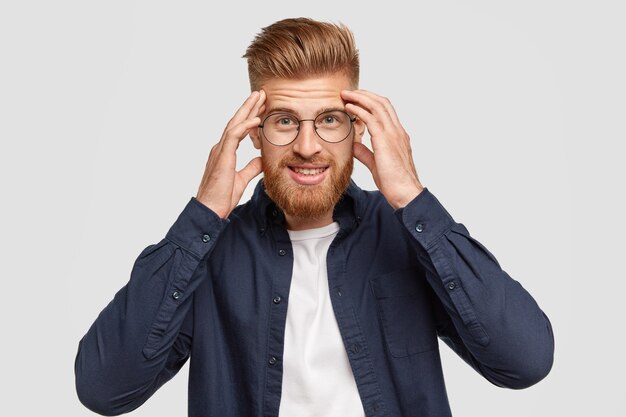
x,y
317,377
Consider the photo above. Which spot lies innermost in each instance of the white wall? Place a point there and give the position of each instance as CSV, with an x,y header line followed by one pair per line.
x,y
516,111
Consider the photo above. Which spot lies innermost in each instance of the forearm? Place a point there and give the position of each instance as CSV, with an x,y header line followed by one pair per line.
x,y
497,327
139,340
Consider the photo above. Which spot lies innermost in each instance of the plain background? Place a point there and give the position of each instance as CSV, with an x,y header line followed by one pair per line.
x,y
515,109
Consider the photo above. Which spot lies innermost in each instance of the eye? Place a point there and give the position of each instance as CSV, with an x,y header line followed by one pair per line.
x,y
282,121
331,120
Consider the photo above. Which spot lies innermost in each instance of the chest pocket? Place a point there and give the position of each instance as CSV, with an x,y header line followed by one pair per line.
x,y
404,307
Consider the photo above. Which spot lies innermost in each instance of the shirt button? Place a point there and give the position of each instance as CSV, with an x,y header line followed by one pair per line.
x,y
451,285
175,295
375,407
282,252
276,299
206,238
273,360
356,348
419,227
274,213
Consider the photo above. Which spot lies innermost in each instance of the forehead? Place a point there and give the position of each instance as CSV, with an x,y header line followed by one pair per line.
x,y
307,95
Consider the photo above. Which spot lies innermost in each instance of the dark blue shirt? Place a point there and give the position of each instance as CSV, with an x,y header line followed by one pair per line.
x,y
217,290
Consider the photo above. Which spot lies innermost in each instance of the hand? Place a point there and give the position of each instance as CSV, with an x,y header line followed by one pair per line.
x,y
222,186
391,161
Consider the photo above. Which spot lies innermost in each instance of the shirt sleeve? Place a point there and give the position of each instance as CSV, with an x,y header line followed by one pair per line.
x,y
484,315
142,338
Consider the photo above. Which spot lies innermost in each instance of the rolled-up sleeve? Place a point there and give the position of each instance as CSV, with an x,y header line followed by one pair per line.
x,y
143,336
484,315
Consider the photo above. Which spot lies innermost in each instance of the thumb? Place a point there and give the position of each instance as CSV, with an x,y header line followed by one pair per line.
x,y
363,154
251,170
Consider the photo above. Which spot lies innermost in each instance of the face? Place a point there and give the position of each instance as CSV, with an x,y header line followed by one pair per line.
x,y
307,177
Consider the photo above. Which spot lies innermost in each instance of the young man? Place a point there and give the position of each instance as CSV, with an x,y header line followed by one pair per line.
x,y
314,298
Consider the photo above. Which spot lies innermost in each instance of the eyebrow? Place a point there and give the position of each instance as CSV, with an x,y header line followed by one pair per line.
x,y
295,112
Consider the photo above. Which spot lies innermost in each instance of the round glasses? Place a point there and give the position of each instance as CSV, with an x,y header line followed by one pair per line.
x,y
282,128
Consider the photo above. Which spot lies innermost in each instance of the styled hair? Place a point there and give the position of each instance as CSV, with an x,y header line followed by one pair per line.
x,y
299,48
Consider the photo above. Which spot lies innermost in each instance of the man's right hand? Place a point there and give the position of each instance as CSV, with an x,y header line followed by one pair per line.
x,y
222,185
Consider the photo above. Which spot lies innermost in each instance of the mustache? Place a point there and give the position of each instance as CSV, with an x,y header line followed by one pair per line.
x,y
298,160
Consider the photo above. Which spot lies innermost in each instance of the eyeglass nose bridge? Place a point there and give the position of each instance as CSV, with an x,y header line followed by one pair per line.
x,y
314,128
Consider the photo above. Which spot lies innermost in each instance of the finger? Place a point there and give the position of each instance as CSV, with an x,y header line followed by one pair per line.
x,y
234,135
256,110
380,108
363,154
385,102
370,120
243,111
372,104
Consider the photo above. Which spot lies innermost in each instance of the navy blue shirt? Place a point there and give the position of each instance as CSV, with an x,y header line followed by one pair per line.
x,y
216,291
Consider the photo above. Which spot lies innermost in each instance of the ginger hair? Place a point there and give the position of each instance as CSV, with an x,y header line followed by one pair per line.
x,y
300,48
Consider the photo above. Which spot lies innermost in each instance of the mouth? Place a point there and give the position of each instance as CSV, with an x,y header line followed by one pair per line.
x,y
304,170
308,174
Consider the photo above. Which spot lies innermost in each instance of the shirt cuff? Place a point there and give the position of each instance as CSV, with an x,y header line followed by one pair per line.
x,y
196,228
425,218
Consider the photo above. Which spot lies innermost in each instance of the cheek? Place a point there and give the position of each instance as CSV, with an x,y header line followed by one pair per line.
x,y
346,153
270,156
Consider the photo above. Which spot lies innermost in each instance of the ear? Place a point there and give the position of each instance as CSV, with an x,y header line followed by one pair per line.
x,y
256,140
359,130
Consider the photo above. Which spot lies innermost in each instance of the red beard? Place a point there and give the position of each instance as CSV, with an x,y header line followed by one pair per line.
x,y
306,201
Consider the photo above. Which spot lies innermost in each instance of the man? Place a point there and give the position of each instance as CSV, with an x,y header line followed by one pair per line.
x,y
314,298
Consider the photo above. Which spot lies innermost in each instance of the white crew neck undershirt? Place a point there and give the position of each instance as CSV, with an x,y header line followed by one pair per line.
x,y
317,377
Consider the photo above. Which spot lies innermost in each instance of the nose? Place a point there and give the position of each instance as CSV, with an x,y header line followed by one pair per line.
x,y
307,142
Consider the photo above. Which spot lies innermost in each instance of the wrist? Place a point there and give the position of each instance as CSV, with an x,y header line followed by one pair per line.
x,y
407,197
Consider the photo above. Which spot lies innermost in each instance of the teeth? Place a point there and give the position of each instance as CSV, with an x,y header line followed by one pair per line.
x,y
307,171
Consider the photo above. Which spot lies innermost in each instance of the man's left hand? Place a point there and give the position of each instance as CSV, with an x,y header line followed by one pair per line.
x,y
391,159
